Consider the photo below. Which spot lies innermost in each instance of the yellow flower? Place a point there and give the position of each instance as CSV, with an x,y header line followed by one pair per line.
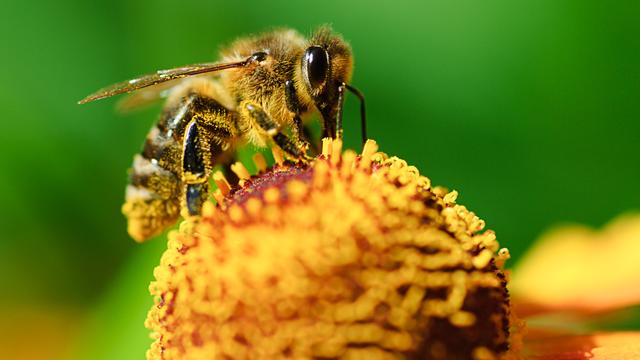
x,y
356,256
350,256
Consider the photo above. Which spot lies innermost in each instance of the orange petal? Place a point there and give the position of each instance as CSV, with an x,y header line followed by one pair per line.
x,y
576,268
602,346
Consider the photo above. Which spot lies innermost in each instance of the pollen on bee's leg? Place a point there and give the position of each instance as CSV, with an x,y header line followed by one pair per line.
x,y
148,218
222,183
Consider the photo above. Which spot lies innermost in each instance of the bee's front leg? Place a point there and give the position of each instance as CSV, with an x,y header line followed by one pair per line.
x,y
301,131
256,115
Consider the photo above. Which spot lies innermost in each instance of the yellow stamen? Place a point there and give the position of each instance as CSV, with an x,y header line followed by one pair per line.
x,y
222,183
349,256
278,155
241,171
260,162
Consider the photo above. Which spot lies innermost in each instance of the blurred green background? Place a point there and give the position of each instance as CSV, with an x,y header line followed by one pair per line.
x,y
529,109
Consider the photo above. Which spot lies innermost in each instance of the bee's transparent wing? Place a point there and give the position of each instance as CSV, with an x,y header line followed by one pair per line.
x,y
145,97
159,77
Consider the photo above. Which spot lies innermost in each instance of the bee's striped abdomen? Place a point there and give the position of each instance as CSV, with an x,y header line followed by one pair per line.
x,y
152,198
154,191
172,171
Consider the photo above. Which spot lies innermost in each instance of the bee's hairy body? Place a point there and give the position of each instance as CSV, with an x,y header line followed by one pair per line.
x,y
155,191
263,102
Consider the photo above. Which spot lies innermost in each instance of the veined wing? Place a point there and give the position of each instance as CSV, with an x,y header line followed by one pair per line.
x,y
147,96
159,77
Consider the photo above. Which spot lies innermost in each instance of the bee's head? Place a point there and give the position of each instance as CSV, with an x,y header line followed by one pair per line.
x,y
325,65
326,62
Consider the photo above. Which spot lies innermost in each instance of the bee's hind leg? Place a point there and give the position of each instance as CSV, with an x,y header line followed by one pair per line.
x,y
204,140
195,171
170,177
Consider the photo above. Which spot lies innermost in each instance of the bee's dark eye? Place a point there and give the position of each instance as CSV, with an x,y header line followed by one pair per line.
x,y
315,65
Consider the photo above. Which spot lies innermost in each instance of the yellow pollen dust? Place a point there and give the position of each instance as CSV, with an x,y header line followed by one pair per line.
x,y
352,256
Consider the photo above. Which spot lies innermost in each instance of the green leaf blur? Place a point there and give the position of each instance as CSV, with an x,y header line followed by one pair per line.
x,y
528,109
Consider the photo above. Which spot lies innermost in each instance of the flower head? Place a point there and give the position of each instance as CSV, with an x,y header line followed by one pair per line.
x,y
349,256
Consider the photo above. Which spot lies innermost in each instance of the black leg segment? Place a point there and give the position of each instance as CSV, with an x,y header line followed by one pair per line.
x,y
363,114
192,160
196,195
339,111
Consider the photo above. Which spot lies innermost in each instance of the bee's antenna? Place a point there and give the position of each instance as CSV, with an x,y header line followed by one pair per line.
x,y
363,117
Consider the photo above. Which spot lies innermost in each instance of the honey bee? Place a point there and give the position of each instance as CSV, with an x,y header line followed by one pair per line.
x,y
261,92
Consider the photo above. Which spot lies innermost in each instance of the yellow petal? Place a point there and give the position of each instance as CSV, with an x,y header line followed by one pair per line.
x,y
576,268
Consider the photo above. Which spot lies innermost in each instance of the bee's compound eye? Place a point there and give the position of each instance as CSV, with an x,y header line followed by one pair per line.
x,y
315,65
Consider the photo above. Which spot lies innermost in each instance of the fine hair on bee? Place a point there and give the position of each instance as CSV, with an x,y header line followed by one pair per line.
x,y
262,92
